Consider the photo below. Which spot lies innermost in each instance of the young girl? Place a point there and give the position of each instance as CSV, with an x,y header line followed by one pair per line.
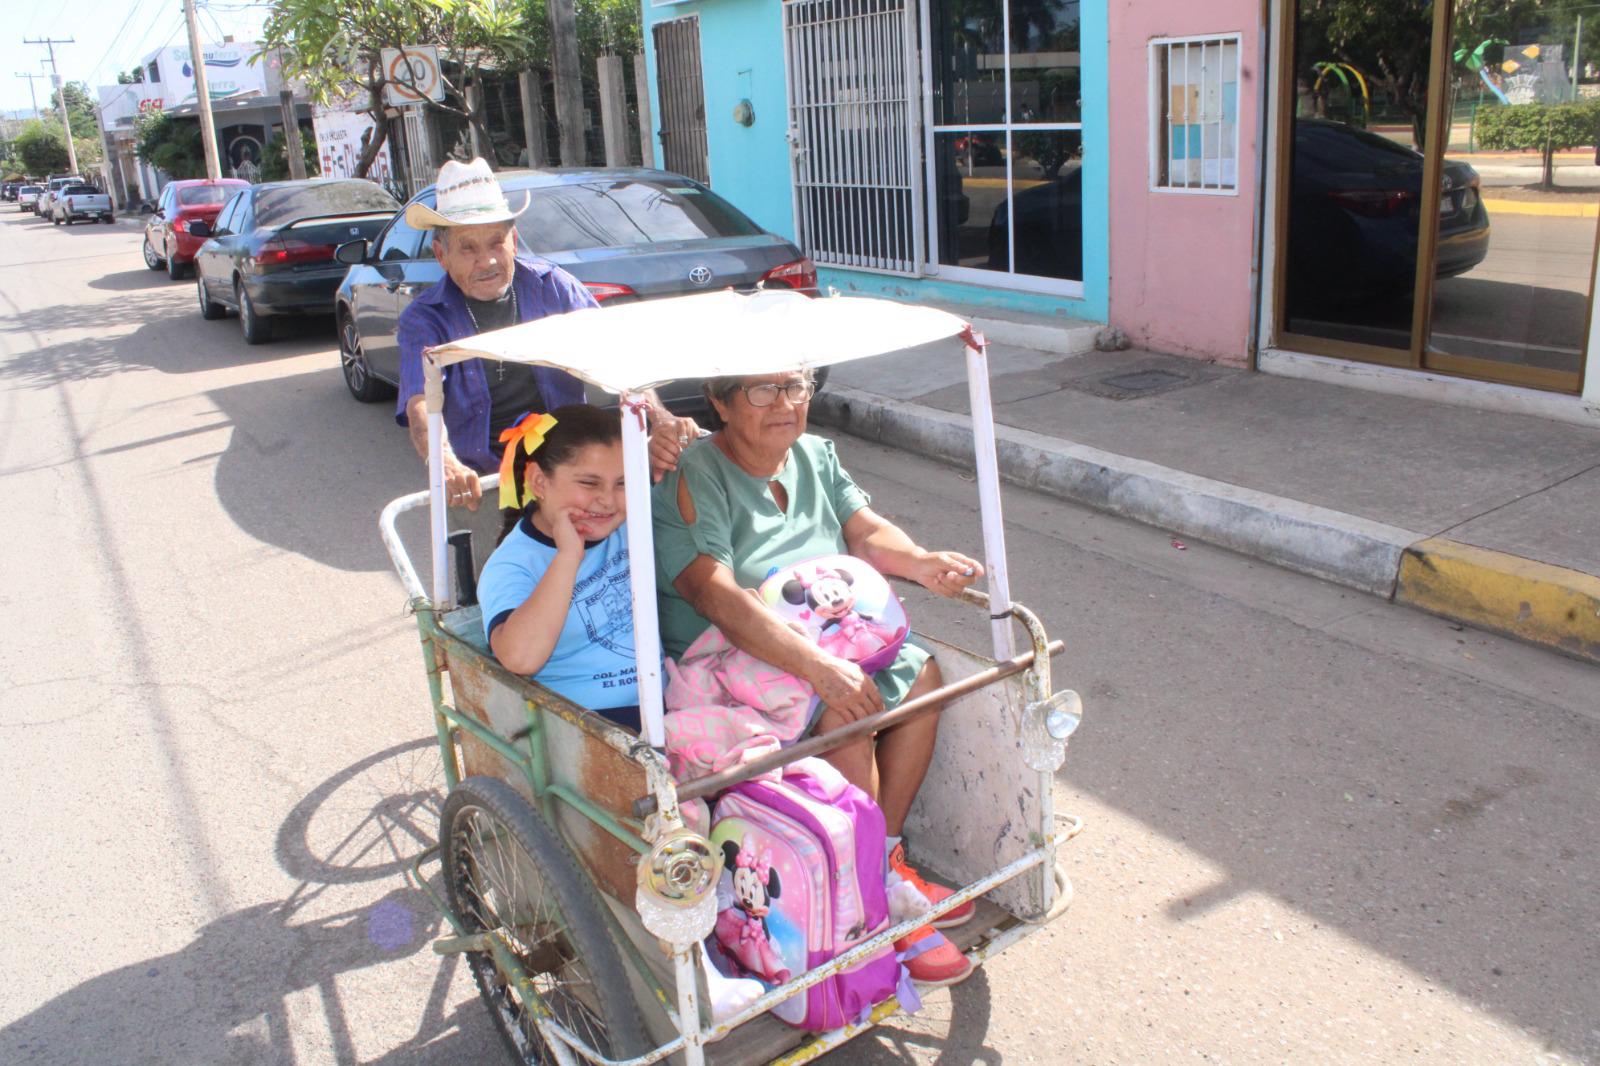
x,y
555,594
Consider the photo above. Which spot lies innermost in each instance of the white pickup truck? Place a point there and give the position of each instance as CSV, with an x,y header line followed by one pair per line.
x,y
73,202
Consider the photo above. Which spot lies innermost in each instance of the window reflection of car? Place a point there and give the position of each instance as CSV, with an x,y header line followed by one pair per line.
x,y
1049,228
1354,216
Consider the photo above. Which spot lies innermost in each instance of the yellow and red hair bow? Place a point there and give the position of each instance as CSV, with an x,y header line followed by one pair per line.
x,y
528,432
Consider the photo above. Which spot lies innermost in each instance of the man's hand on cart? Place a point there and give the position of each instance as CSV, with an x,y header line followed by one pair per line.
x,y
668,439
461,485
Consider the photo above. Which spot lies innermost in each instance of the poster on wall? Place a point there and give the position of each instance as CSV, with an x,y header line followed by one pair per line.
x,y
341,138
231,69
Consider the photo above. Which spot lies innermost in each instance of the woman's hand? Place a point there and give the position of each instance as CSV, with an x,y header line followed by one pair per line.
x,y
668,439
844,688
946,573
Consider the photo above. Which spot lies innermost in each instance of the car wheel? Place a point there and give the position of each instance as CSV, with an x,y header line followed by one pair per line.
x,y
257,329
151,259
175,269
56,219
353,362
210,310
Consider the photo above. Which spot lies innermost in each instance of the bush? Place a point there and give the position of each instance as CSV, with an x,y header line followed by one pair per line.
x,y
275,157
172,145
42,148
1543,128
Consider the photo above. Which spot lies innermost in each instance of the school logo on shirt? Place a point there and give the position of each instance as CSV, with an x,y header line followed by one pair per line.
x,y
604,603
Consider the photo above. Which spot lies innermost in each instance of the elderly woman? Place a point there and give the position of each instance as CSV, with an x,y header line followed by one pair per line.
x,y
762,493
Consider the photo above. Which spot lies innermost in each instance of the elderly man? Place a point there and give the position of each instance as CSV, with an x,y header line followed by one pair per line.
x,y
487,285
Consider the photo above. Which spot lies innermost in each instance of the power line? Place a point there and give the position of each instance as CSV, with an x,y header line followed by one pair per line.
x,y
116,38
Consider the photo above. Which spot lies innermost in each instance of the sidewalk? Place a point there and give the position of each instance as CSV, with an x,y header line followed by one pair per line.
x,y
1489,519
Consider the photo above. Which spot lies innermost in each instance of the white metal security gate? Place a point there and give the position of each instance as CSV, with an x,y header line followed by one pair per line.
x,y
683,97
854,131
418,159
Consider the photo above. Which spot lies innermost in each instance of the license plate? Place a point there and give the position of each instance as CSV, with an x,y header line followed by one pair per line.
x,y
1447,204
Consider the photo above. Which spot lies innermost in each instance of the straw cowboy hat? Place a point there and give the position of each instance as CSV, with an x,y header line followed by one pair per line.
x,y
465,194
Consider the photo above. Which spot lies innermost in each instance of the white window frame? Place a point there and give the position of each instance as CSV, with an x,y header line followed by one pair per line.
x,y
931,267
1160,102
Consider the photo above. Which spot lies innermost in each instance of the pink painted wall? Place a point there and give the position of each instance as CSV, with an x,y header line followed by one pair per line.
x,y
1180,263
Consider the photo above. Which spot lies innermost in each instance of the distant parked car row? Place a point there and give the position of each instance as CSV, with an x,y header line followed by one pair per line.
x,y
64,198
341,246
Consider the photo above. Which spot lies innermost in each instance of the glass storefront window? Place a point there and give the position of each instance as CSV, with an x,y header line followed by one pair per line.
x,y
1007,138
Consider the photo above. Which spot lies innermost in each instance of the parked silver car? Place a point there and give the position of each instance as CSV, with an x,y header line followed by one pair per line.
x,y
627,233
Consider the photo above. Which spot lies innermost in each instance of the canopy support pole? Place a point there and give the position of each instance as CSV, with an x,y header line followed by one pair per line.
x,y
988,463
438,517
641,566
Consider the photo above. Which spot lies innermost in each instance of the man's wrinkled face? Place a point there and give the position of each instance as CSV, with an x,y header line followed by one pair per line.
x,y
479,259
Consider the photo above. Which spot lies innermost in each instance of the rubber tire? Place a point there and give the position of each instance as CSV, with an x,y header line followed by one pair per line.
x,y
151,259
210,310
357,372
54,218
109,219
257,329
574,897
175,269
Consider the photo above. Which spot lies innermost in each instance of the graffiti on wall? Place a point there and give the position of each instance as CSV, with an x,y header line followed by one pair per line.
x,y
342,137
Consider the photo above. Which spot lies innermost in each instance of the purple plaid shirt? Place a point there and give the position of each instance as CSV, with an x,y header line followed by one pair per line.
x,y
439,314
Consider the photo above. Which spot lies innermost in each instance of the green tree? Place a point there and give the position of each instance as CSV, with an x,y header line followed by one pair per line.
x,y
171,144
1543,128
81,110
336,49
42,148
131,77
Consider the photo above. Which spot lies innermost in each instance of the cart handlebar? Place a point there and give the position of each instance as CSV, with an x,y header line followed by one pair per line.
x,y
711,784
397,550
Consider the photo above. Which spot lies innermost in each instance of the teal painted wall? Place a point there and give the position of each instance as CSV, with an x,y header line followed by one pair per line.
x,y
741,58
741,54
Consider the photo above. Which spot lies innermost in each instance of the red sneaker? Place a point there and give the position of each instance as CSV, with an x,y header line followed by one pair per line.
x,y
936,964
934,892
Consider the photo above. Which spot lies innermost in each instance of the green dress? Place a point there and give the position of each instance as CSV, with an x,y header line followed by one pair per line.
x,y
739,524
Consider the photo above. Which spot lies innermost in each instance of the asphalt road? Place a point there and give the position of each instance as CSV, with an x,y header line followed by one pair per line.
x,y
1321,828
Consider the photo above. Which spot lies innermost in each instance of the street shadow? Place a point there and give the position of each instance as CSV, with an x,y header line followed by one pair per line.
x,y
137,281
170,336
226,996
949,1030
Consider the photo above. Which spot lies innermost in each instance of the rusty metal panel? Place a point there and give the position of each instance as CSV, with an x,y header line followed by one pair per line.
x,y
577,756
980,804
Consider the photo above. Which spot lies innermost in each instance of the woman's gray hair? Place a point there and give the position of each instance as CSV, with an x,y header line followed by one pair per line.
x,y
723,388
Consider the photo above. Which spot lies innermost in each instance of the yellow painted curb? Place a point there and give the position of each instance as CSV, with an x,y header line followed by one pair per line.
x,y
1534,207
1534,601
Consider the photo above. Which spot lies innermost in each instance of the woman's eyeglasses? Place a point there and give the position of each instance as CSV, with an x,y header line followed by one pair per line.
x,y
766,395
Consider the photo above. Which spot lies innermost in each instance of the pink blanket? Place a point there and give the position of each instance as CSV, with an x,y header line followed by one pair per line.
x,y
726,707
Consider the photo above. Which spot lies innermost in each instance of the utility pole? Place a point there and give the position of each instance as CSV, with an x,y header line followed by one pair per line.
x,y
202,93
31,94
61,94
1577,58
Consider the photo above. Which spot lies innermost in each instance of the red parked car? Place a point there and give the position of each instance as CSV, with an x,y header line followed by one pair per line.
x,y
167,240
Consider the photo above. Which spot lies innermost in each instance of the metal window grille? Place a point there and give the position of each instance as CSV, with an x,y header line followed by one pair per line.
x,y
854,132
683,97
1195,144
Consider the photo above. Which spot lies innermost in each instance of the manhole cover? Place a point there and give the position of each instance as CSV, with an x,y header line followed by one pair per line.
x,y
1143,380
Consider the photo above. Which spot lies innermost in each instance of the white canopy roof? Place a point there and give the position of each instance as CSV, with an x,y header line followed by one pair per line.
x,y
640,345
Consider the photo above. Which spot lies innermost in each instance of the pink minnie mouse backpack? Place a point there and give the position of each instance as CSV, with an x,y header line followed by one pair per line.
x,y
845,604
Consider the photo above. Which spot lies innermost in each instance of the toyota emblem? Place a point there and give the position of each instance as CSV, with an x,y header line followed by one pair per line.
x,y
700,275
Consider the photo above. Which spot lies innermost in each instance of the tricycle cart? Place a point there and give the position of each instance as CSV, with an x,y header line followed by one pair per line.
x,y
572,884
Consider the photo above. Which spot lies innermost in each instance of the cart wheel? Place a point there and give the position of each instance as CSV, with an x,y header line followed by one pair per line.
x,y
506,871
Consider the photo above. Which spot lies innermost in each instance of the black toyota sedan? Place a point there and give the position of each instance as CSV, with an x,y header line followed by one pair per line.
x,y
627,233
270,250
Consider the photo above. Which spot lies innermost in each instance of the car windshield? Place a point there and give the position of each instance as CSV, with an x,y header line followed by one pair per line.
x,y
200,195
80,190
274,207
617,212
29,188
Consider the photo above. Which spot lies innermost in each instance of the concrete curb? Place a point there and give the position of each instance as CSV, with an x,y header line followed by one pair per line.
x,y
1533,601
1337,547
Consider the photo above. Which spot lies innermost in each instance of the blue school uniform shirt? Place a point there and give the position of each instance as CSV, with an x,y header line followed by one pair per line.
x,y
593,662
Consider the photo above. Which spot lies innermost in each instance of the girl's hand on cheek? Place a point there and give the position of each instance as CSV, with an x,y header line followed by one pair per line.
x,y
564,533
